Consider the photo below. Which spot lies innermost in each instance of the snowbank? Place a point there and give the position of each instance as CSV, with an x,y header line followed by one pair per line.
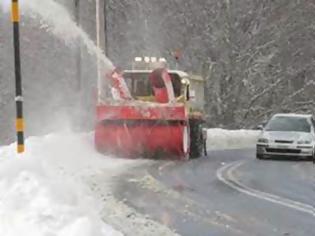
x,y
231,139
43,192
62,187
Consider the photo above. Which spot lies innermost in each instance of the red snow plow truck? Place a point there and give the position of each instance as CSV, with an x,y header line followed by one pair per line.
x,y
149,115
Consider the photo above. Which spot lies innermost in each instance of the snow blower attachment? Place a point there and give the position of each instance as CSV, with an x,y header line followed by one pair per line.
x,y
146,117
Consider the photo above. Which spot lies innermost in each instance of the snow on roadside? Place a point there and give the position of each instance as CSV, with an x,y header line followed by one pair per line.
x,y
42,192
219,139
61,186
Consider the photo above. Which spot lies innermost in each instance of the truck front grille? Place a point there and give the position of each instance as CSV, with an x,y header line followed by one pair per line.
x,y
283,150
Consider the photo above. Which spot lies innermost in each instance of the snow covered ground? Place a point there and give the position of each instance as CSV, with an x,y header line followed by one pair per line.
x,y
61,186
42,192
219,139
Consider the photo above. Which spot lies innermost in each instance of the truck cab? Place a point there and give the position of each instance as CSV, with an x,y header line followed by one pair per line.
x,y
188,89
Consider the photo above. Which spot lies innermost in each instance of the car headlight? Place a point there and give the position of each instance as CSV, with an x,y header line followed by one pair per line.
x,y
263,140
304,142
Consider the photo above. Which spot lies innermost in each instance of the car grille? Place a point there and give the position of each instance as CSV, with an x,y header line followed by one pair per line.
x,y
283,150
283,141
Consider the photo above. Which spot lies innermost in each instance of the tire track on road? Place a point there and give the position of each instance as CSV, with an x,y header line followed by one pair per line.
x,y
225,175
190,208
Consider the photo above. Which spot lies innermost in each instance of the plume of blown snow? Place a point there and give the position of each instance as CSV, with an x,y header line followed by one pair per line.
x,y
57,20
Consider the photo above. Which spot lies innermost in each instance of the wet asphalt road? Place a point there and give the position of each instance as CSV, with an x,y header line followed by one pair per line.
x,y
226,193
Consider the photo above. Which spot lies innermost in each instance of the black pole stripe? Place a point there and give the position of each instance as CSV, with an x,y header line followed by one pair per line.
x,y
20,138
17,60
19,109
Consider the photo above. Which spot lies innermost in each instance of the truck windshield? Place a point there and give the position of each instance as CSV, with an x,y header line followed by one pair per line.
x,y
140,85
289,124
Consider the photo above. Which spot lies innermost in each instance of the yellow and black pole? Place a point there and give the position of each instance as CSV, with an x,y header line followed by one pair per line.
x,y
15,13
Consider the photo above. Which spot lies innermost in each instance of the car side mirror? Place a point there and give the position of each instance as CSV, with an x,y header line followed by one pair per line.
x,y
259,127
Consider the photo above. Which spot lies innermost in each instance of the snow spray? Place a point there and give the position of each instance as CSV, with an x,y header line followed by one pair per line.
x,y
56,20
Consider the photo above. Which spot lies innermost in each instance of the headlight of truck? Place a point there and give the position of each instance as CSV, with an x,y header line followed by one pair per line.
x,y
304,142
263,140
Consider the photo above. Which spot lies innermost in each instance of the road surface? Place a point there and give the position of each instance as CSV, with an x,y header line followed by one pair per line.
x,y
226,193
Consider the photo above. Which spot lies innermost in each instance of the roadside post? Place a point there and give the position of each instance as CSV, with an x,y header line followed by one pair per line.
x,y
15,17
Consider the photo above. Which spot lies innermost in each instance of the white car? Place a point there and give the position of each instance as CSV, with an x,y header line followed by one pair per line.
x,y
287,136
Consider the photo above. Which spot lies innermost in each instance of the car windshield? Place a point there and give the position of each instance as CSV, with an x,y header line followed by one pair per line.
x,y
289,124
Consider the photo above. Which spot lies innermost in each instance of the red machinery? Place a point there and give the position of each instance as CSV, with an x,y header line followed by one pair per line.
x,y
133,128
